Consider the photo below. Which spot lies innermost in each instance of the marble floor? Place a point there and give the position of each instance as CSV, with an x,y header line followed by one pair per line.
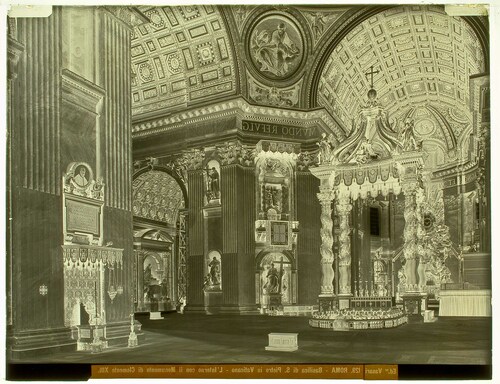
x,y
194,338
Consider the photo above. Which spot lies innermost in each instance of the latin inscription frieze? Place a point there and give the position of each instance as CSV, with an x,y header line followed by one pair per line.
x,y
278,130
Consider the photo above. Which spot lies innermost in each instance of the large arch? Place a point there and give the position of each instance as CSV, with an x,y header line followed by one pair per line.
x,y
159,168
352,20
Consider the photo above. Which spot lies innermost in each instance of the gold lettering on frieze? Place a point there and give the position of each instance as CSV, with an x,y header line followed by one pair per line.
x,y
277,130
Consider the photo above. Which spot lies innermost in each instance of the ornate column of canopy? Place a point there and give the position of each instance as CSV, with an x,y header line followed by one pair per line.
x,y
410,250
344,208
410,165
327,273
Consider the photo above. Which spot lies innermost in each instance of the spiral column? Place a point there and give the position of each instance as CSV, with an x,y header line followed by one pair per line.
x,y
410,235
327,257
344,208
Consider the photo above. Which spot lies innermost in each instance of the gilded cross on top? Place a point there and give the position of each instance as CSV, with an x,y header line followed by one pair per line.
x,y
371,73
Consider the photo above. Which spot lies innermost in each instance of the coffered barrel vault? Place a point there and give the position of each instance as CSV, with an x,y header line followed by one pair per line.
x,y
182,57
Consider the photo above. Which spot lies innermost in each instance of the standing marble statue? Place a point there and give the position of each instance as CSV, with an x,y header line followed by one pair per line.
x,y
407,136
273,280
325,148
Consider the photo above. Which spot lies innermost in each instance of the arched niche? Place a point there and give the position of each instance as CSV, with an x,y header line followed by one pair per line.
x,y
276,272
274,189
213,277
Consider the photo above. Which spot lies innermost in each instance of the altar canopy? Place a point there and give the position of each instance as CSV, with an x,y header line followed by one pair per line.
x,y
375,165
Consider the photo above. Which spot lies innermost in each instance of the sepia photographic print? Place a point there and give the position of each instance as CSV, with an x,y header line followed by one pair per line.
x,y
248,191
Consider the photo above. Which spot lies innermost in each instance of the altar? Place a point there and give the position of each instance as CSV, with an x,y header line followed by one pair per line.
x,y
474,302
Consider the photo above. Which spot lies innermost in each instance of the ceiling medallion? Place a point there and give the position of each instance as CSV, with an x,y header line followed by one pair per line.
x,y
276,47
425,127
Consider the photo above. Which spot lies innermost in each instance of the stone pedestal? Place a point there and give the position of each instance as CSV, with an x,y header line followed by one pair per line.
x,y
429,316
344,301
285,342
155,316
213,302
274,300
327,303
412,305
91,338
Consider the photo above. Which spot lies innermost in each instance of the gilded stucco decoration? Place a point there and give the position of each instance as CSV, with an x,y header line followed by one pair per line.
x,y
157,196
274,96
240,14
320,20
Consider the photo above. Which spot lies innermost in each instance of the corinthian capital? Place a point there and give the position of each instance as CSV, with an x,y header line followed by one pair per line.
x,y
193,159
235,153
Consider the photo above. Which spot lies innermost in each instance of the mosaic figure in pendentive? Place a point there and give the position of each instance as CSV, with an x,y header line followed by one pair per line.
x,y
276,47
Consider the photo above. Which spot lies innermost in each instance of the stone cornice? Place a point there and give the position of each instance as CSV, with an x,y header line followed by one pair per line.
x,y
243,110
130,16
81,92
14,52
454,170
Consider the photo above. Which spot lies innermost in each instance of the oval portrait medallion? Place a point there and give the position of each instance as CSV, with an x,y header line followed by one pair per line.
x,y
425,127
276,47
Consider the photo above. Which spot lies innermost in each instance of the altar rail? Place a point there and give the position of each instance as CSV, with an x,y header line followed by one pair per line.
x,y
371,302
351,324
294,310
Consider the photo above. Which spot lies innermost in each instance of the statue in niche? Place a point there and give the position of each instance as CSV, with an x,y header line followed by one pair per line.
x,y
148,276
213,189
273,198
214,273
268,198
212,181
206,281
273,280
